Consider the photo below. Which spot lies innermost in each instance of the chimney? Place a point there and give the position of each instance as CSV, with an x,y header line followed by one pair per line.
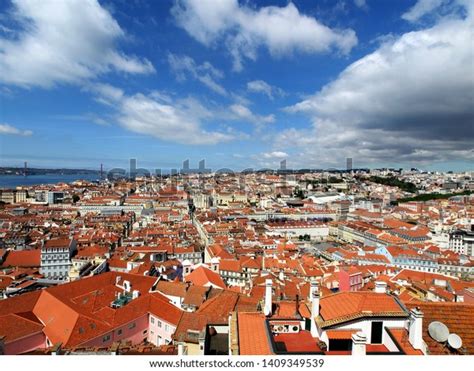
x,y
127,286
313,286
281,276
215,265
380,287
314,299
186,267
180,348
135,294
268,297
359,341
314,291
415,328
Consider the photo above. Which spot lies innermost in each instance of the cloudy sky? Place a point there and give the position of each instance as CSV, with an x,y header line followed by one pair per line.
x,y
241,84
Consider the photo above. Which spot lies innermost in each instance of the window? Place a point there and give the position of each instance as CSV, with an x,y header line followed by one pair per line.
x,y
376,333
132,325
106,338
119,332
159,323
152,320
167,328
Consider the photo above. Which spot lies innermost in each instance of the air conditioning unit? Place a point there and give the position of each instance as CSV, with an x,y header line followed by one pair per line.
x,y
279,329
293,329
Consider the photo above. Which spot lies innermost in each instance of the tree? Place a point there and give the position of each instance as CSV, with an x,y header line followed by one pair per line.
x,y
75,198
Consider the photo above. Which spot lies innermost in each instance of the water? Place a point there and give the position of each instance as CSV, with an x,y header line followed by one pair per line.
x,y
12,181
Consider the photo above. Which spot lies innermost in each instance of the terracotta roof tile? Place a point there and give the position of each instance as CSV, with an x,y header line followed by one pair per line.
x,y
23,258
344,306
172,288
202,276
459,318
14,327
253,336
400,336
341,334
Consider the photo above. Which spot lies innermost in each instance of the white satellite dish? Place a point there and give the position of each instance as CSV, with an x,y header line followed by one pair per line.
x,y
438,331
454,341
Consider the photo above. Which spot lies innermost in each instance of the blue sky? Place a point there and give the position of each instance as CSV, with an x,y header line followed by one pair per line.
x,y
238,83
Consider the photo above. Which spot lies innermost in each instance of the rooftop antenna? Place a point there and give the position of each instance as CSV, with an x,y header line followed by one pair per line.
x,y
438,331
454,341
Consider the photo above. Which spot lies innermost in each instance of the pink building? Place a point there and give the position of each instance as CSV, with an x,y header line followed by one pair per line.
x,y
350,279
160,331
20,335
92,312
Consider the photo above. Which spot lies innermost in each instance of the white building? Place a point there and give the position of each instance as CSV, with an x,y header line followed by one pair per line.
x,y
56,257
462,242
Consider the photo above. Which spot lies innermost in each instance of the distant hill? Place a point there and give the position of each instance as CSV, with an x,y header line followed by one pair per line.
x,y
38,171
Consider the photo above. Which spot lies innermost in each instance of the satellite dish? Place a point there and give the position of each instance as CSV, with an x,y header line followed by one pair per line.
x,y
454,341
438,331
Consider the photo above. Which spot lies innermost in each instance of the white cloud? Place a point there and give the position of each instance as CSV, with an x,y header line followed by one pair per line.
x,y
63,42
157,115
242,112
11,130
421,8
206,73
410,100
260,86
243,30
361,4
275,155
106,93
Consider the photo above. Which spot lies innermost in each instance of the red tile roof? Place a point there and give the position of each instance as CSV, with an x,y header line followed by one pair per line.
x,y
203,276
19,304
458,317
217,309
57,242
301,342
172,288
346,306
229,265
79,311
14,327
168,313
341,334
400,336
190,322
23,258
253,336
